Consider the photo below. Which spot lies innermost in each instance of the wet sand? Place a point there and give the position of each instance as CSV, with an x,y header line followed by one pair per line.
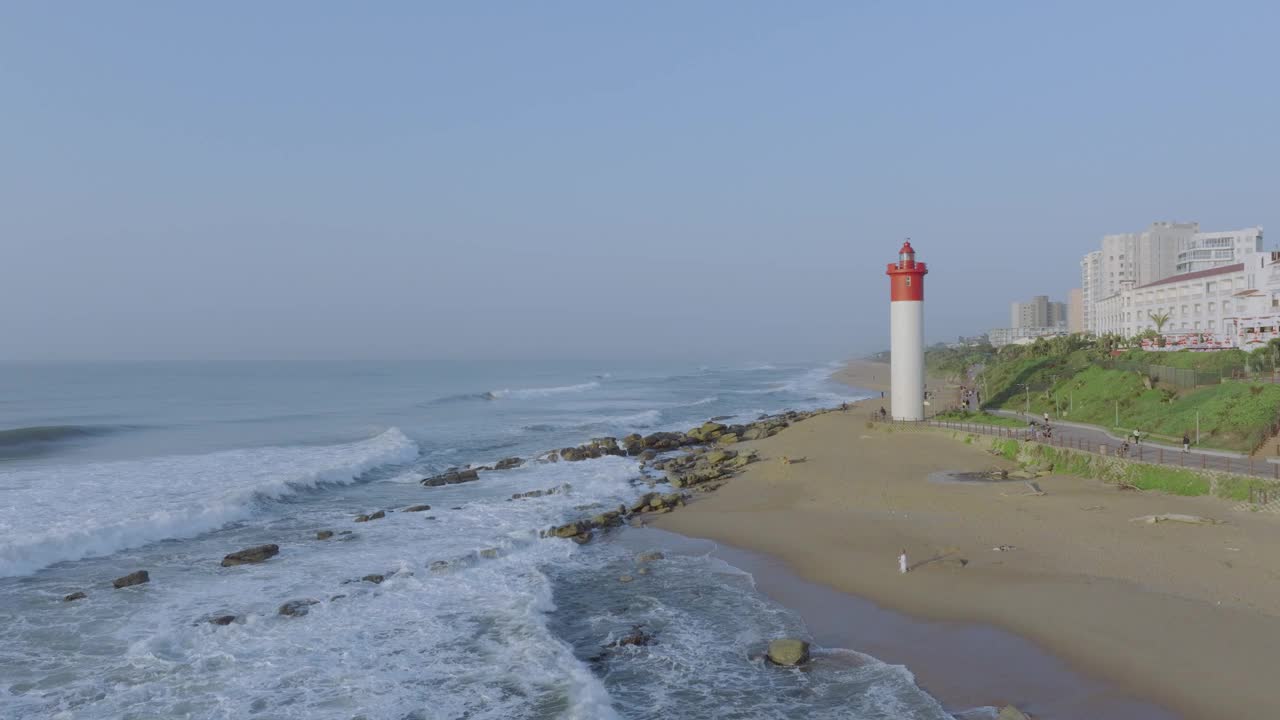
x,y
1186,617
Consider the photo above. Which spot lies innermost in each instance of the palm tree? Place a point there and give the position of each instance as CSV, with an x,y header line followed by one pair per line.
x,y
1159,319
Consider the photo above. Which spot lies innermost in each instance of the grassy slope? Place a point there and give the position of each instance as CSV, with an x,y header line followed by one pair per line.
x,y
1234,416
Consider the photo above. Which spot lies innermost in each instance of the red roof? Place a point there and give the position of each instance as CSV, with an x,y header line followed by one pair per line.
x,y
906,248
1195,275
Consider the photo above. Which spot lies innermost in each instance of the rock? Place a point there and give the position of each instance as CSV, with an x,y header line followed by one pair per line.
x,y
324,534
727,439
416,508
223,619
648,557
489,553
256,554
583,538
715,457
637,638
665,441
378,515
788,652
625,579
297,608
78,595
133,578
1009,712
643,571
452,477
375,579
643,502
362,518
440,566
633,444
567,531
508,463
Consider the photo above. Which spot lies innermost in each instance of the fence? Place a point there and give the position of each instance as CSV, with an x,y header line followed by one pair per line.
x,y
1063,438
1184,378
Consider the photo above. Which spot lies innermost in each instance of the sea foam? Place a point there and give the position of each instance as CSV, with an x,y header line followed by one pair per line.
x,y
78,511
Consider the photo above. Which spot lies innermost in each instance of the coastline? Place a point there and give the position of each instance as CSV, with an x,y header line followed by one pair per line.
x,y
1184,616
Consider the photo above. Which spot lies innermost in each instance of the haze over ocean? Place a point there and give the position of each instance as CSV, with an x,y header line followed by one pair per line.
x,y
296,180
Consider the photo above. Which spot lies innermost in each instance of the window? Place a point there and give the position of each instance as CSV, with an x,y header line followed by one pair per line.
x,y
1210,324
1196,326
1184,309
908,281
1197,308
1212,307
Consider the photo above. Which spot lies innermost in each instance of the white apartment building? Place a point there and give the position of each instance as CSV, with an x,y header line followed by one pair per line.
x,y
1041,312
999,337
1235,305
1212,249
1162,250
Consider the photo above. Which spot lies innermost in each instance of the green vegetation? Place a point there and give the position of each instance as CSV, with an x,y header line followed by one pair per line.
x,y
1176,481
1083,380
953,364
981,418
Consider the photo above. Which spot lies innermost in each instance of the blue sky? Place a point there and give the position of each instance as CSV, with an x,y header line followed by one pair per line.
x,y
696,180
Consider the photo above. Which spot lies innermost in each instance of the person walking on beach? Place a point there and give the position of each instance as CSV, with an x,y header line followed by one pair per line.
x,y
1186,443
902,561
882,412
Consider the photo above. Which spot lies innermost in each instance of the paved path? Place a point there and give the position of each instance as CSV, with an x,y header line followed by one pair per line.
x,y
1096,440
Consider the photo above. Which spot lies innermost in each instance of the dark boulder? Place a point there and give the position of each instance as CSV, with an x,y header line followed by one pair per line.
x,y
508,463
324,534
133,578
452,477
223,619
74,596
298,608
416,508
251,555
373,578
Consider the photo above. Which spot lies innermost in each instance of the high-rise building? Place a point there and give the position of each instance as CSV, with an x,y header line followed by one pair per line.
x,y
1041,312
1075,310
1162,250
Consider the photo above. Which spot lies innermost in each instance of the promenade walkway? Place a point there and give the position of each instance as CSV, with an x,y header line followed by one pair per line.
x,y
1095,440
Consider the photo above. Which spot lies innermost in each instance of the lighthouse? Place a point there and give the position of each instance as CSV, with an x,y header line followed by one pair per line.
x,y
906,334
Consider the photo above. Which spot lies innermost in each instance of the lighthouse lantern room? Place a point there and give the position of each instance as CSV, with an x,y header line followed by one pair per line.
x,y
906,334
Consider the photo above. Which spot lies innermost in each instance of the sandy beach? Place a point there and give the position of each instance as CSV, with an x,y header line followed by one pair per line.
x,y
1185,616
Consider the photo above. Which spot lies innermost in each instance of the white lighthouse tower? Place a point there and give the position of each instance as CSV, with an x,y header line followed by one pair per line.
x,y
906,334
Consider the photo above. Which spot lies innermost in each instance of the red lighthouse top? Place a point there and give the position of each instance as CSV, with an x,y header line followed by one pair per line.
x,y
906,277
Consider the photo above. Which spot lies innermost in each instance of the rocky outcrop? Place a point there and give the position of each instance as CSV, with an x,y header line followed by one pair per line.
x,y
222,619
374,578
78,595
598,447
454,476
416,508
788,652
375,516
297,608
133,578
539,493
662,441
636,638
251,555
324,534
625,579
508,463
648,557
633,444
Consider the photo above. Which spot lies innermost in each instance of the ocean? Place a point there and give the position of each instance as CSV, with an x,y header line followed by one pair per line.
x,y
167,467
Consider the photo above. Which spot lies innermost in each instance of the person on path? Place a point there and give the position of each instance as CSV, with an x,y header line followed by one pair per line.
x,y
1137,437
902,562
1186,443
1046,418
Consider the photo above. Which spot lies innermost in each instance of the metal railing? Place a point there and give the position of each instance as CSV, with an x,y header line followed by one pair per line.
x,y
1064,438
